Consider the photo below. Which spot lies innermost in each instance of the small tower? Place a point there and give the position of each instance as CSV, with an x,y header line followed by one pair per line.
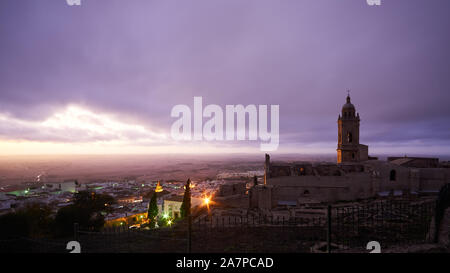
x,y
158,188
348,148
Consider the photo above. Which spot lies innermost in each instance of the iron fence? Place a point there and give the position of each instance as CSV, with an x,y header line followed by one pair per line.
x,y
32,245
390,222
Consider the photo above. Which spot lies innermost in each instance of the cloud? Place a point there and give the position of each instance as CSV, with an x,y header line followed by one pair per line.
x,y
76,124
138,59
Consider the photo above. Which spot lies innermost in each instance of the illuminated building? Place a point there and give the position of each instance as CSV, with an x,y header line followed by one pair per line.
x,y
159,188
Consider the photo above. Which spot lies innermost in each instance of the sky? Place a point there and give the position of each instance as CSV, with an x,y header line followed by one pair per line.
x,y
104,76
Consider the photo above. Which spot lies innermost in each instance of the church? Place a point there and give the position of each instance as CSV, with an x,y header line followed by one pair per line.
x,y
349,149
356,175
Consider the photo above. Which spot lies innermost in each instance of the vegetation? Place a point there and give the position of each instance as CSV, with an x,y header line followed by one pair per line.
x,y
165,221
255,181
38,220
85,210
152,210
185,208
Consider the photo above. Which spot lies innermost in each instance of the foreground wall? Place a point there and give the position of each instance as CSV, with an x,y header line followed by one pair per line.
x,y
322,188
301,183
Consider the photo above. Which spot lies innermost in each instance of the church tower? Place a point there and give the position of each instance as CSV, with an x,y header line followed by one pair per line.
x,y
348,148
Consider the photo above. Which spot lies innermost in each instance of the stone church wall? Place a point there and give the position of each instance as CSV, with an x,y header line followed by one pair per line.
x,y
433,179
322,188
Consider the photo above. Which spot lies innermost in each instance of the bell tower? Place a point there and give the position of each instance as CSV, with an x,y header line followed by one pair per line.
x,y
348,148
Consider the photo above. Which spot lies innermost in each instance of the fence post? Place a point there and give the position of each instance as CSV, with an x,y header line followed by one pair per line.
x,y
189,246
128,238
437,223
329,229
75,231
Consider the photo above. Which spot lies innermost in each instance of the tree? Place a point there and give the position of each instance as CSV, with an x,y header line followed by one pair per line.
x,y
163,221
68,215
93,201
85,210
255,181
152,208
185,209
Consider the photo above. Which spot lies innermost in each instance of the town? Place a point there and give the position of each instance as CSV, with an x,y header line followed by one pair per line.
x,y
131,197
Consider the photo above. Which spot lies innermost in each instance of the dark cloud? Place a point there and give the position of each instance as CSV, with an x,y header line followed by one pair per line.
x,y
137,59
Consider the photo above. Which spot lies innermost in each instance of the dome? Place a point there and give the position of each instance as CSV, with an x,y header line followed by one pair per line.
x,y
348,105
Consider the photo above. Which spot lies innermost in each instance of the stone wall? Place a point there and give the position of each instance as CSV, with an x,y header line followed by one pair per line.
x,y
432,179
322,188
344,182
231,189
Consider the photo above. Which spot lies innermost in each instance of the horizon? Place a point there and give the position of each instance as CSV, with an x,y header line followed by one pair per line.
x,y
231,155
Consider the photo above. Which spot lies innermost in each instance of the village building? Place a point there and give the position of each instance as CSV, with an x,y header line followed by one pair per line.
x,y
171,205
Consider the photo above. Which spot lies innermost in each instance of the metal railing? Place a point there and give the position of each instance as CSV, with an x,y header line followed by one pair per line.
x,y
390,222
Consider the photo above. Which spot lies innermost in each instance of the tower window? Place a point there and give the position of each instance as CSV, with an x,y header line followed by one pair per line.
x,y
393,175
306,192
353,155
349,137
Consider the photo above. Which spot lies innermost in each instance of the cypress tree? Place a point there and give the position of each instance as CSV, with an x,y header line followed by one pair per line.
x,y
152,208
185,208
255,180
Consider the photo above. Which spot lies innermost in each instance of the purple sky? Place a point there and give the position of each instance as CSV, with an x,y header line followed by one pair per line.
x,y
134,60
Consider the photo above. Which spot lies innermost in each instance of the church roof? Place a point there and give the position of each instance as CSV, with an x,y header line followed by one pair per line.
x,y
348,104
160,194
401,161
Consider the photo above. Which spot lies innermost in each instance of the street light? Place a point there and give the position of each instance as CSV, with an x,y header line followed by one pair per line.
x,y
207,201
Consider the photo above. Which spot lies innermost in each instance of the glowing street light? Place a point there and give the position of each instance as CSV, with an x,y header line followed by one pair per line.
x,y
207,201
